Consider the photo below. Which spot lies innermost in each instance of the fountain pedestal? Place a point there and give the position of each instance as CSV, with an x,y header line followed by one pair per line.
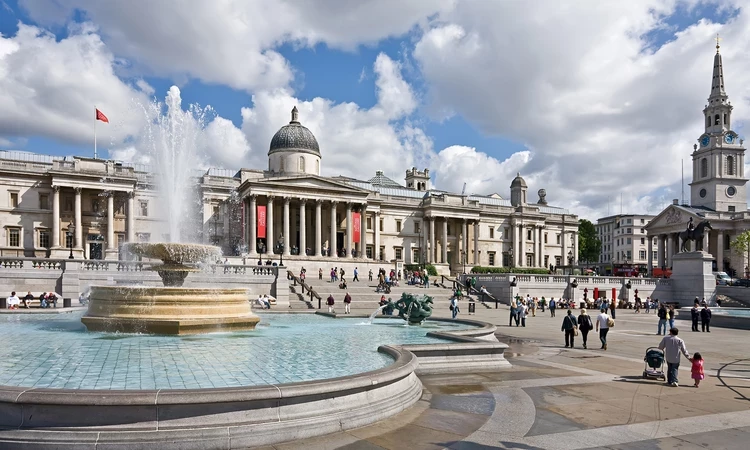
x,y
171,309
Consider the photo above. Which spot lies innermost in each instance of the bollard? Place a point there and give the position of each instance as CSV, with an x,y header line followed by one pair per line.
x,y
472,308
67,303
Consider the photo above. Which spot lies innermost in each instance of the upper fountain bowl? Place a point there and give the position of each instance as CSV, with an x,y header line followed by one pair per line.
x,y
173,252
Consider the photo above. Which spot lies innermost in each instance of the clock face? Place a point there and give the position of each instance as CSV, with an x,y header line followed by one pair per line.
x,y
702,193
729,138
731,191
705,140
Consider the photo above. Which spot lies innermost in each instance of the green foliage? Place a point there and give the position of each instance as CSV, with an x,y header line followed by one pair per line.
x,y
741,243
521,271
431,270
589,245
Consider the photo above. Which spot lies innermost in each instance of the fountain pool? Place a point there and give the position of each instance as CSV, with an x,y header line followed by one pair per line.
x,y
58,352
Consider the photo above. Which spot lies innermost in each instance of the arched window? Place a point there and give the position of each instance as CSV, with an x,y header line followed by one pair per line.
x,y
717,119
708,121
730,165
301,164
704,168
281,164
726,119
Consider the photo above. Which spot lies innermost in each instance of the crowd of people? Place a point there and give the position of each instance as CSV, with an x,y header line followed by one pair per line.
x,y
46,300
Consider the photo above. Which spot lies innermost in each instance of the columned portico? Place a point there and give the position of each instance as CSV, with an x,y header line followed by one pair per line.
x,y
476,243
302,227
55,217
318,227
376,241
332,243
720,251
251,226
111,250
650,257
270,237
522,246
670,249
464,241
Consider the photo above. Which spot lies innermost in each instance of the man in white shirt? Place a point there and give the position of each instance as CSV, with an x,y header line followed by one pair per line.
x,y
673,346
602,326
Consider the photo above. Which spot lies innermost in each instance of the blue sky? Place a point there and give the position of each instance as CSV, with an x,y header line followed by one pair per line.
x,y
341,69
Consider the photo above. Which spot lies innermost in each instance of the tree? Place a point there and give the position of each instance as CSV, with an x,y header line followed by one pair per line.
x,y
741,244
589,245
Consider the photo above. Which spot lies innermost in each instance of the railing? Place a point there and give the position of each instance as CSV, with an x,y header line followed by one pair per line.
x,y
297,280
32,263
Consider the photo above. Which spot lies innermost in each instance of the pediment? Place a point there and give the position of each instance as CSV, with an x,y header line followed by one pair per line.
x,y
305,184
674,217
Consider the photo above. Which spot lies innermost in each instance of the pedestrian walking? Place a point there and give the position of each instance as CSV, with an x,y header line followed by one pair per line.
x,y
369,276
347,303
585,324
522,312
513,313
532,307
647,306
552,307
454,307
670,316
613,307
673,346
603,322
662,314
695,315
356,275
696,370
542,304
320,273
706,319
569,326
330,302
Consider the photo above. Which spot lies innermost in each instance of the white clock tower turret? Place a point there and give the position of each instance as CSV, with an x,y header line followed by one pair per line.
x,y
719,157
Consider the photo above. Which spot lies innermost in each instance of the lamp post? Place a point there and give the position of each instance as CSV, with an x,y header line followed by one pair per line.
x,y
281,256
510,255
70,233
570,261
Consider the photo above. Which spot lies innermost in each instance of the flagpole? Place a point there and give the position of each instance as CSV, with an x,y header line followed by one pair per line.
x,y
95,120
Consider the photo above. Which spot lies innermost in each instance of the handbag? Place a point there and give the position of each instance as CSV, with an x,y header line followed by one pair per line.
x,y
575,331
610,322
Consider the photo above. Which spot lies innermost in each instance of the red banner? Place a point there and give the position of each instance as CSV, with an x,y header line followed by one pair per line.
x,y
357,226
261,221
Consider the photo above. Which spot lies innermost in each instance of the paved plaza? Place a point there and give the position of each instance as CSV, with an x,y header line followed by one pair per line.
x,y
558,398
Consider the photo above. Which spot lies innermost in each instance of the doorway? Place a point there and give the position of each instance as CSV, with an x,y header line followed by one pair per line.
x,y
95,250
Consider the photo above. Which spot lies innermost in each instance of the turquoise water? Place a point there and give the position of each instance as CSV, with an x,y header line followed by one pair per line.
x,y
56,351
731,312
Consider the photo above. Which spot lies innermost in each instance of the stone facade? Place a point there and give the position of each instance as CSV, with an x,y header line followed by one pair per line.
x,y
718,190
309,217
624,243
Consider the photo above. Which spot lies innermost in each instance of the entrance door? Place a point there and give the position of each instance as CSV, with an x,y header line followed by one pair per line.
x,y
340,242
95,250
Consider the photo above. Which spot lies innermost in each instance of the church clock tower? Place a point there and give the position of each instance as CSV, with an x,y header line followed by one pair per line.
x,y
719,157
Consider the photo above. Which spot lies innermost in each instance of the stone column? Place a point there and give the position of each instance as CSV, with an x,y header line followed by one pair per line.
x,y
131,216
564,243
363,231
376,241
302,227
334,226
78,220
476,243
270,238
111,221
522,247
55,216
660,251
318,227
650,256
349,236
670,249
720,251
465,241
541,247
433,242
444,244
252,223
287,238
575,248
706,241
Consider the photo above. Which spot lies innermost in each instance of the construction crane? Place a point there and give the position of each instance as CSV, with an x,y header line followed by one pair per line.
x,y
463,191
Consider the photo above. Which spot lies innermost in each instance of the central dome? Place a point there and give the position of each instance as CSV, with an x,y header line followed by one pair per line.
x,y
294,138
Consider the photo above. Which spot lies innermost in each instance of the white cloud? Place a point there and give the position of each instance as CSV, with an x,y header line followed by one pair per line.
x,y
482,174
354,141
233,42
578,84
50,88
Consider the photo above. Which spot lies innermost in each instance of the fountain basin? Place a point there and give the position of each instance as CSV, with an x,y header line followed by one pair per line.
x,y
168,310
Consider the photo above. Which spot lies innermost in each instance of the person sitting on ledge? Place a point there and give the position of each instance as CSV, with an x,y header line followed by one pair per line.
x,y
50,298
342,285
13,301
29,297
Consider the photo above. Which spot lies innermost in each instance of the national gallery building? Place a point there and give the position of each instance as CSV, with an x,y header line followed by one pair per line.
x,y
60,206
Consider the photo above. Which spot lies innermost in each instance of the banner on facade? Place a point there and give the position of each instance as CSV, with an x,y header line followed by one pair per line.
x,y
357,226
261,221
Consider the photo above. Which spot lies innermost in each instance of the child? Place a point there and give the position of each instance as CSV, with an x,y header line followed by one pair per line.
x,y
697,369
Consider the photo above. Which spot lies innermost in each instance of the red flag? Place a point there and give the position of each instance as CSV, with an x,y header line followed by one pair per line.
x,y
100,116
261,221
357,220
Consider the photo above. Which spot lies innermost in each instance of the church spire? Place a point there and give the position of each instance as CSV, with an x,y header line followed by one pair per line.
x,y
717,82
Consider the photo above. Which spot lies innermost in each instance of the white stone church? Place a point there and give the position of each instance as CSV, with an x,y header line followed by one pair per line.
x,y
718,192
51,207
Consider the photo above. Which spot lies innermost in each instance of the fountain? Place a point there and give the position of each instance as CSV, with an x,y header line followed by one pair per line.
x,y
172,142
171,309
414,309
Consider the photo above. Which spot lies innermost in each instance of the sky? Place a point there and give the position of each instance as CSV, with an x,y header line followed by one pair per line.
x,y
597,102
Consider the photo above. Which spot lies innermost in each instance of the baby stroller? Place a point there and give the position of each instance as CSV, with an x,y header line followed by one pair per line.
x,y
654,364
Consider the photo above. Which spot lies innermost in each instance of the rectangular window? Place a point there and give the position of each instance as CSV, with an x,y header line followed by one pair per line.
x,y
120,239
557,261
381,224
731,208
382,253
368,251
654,255
415,256
629,241
68,203
95,205
506,233
449,230
546,260
14,237
557,238
642,221
727,240
14,199
630,231
545,239
643,231
369,223
398,228
143,208
492,233
642,254
506,259
399,253
43,201
529,235
417,226
643,241
491,258
44,239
